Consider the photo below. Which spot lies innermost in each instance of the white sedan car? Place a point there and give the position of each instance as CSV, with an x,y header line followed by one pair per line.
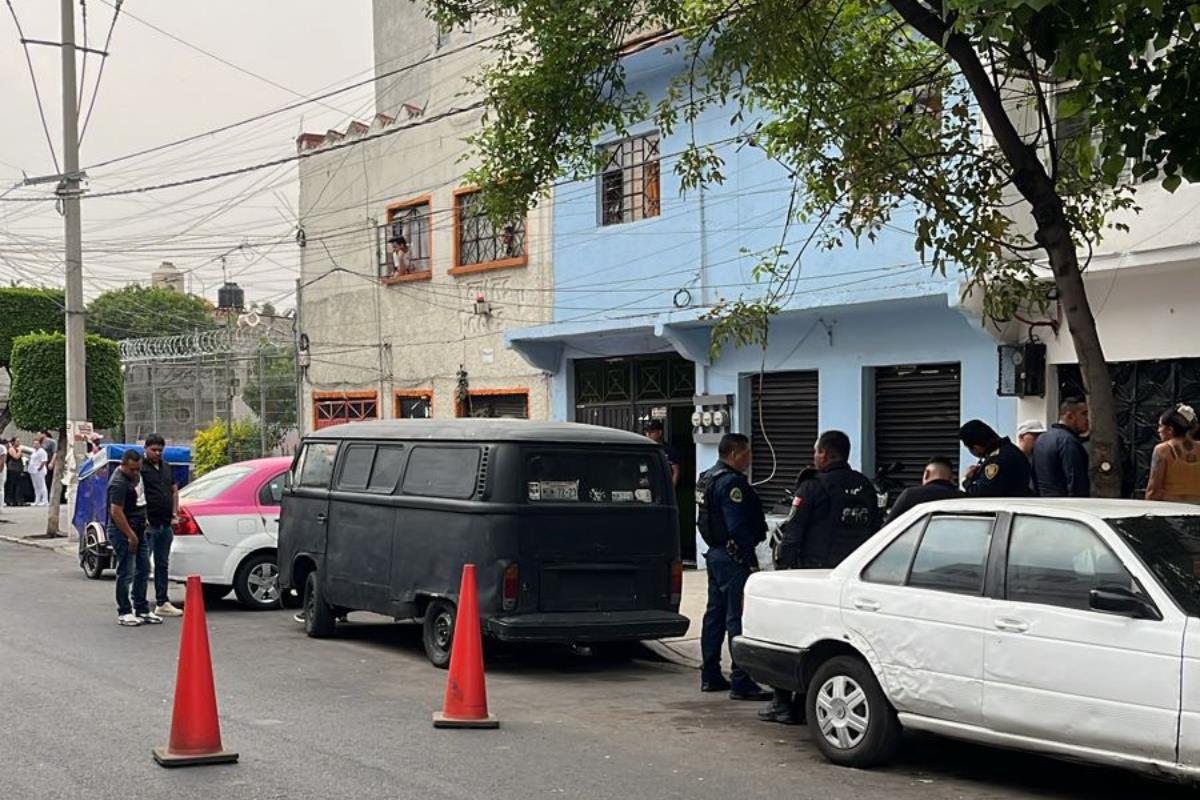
x,y
1067,627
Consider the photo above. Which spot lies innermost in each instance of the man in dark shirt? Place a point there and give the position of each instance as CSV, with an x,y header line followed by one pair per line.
x,y
654,432
1002,471
1060,461
131,552
936,484
162,504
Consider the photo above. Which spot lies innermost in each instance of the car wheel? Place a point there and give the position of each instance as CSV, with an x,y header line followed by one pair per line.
x,y
213,592
320,621
437,633
257,582
850,720
90,559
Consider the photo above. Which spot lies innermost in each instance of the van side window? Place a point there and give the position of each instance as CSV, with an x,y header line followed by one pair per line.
x,y
316,464
386,473
442,472
356,466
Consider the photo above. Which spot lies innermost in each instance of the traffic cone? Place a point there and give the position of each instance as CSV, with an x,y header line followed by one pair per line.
x,y
195,730
465,705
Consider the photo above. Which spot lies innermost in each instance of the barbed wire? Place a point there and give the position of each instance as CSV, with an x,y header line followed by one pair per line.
x,y
198,344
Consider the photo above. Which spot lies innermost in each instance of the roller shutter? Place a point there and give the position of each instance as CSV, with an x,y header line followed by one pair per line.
x,y
783,411
917,416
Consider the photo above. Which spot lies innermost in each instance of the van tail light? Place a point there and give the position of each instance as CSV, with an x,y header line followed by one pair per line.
x,y
186,526
512,586
676,583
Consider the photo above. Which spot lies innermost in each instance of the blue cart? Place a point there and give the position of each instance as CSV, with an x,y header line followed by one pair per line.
x,y
91,504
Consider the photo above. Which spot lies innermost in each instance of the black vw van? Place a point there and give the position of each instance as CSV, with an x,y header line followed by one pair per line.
x,y
573,529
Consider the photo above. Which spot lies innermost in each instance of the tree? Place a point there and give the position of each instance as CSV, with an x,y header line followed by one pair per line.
x,y
140,312
271,391
24,311
38,396
873,107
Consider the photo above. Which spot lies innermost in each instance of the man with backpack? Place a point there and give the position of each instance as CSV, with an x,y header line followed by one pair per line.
x,y
834,510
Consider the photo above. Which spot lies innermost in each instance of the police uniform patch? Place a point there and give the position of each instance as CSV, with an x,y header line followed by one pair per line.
x,y
735,494
991,471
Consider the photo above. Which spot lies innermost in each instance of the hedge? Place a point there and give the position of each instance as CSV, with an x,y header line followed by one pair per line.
x,y
24,311
38,396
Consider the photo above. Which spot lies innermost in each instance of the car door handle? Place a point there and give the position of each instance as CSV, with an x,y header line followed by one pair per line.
x,y
321,518
1011,625
866,605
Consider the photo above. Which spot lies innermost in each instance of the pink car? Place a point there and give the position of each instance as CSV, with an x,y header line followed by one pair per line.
x,y
227,529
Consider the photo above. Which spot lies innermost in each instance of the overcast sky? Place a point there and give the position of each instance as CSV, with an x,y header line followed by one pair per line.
x,y
156,89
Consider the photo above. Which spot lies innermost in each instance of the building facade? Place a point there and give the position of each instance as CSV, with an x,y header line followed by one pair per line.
x,y
867,341
406,289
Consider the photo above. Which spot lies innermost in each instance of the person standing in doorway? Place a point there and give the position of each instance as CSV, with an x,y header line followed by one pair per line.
x,y
936,484
730,518
1060,461
1002,471
131,551
37,472
1175,465
1028,432
162,506
834,510
654,431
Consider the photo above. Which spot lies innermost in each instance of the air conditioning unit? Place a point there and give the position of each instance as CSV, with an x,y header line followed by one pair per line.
x,y
1022,370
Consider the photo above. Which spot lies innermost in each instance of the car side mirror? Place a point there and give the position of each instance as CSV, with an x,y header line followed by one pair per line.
x,y
1119,600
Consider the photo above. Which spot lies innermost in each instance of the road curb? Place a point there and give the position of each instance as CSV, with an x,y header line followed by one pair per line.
x,y
670,651
52,545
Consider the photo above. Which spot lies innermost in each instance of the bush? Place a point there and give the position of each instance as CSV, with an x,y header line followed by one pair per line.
x,y
210,447
25,311
38,397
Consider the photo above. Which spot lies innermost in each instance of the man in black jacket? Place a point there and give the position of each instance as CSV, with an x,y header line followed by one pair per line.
x,y
834,510
1003,470
936,484
1060,461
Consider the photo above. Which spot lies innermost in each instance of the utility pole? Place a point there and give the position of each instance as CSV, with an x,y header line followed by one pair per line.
x,y
68,191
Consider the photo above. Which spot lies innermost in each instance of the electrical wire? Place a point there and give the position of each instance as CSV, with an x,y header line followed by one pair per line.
x,y
37,95
103,60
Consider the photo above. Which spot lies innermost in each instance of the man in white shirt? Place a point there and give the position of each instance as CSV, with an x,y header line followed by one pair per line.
x,y
37,472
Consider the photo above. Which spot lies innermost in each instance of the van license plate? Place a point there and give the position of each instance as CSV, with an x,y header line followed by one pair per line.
x,y
554,490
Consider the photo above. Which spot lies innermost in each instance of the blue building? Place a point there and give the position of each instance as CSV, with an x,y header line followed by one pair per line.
x,y
869,341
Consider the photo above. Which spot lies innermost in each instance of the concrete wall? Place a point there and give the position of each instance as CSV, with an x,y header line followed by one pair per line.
x,y
415,335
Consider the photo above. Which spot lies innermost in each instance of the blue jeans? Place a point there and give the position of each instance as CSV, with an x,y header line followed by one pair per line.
x,y
723,618
133,569
160,545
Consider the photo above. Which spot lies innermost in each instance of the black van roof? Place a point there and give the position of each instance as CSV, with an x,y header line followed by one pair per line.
x,y
484,430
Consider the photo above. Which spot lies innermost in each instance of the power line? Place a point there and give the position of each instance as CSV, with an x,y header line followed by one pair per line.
x,y
37,95
103,60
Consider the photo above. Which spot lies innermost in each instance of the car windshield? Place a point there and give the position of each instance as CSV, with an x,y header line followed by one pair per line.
x,y
215,482
1170,547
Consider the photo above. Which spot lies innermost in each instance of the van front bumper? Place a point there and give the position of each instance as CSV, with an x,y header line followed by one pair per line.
x,y
587,626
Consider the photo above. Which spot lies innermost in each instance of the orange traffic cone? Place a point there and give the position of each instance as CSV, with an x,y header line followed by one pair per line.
x,y
195,730
465,705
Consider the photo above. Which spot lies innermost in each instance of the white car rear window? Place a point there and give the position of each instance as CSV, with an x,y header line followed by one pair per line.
x,y
214,483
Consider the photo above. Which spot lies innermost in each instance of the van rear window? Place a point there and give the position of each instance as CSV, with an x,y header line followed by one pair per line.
x,y
589,476
442,472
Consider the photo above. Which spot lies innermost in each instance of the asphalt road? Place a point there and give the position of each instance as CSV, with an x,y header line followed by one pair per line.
x,y
83,701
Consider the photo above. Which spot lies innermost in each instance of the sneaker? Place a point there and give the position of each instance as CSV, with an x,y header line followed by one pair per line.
x,y
168,610
128,621
298,618
150,618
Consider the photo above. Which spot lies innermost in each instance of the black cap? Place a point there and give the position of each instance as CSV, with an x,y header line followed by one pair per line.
x,y
653,425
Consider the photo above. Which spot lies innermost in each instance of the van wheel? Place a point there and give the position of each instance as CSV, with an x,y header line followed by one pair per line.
x,y
319,619
437,633
257,582
850,720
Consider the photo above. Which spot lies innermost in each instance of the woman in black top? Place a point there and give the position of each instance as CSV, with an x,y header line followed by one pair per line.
x,y
15,465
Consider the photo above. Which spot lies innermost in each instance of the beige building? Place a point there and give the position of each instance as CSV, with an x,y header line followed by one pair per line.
x,y
406,289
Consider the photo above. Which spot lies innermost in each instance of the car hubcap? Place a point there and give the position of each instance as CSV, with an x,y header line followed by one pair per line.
x,y
843,714
442,629
263,581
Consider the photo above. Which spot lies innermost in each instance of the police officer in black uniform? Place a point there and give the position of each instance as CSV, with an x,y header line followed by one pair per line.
x,y
834,510
1003,470
730,518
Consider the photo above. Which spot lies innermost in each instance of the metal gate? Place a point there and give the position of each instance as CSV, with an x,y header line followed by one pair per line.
x,y
1142,391
917,417
783,422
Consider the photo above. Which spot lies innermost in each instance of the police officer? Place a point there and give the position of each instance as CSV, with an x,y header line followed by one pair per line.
x,y
1003,470
834,510
731,522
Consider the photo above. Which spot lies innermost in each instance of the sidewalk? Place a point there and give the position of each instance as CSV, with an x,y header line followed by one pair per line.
x,y
27,525
685,650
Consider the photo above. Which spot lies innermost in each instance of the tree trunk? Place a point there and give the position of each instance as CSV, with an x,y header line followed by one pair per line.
x,y
56,487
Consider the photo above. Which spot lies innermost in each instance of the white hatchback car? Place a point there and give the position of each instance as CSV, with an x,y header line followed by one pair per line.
x,y
1067,627
227,531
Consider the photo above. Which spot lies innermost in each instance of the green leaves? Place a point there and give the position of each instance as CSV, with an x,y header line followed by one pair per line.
x,y
139,312
38,398
24,311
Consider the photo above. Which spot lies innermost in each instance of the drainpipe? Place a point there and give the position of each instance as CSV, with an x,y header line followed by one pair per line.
x,y
703,277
